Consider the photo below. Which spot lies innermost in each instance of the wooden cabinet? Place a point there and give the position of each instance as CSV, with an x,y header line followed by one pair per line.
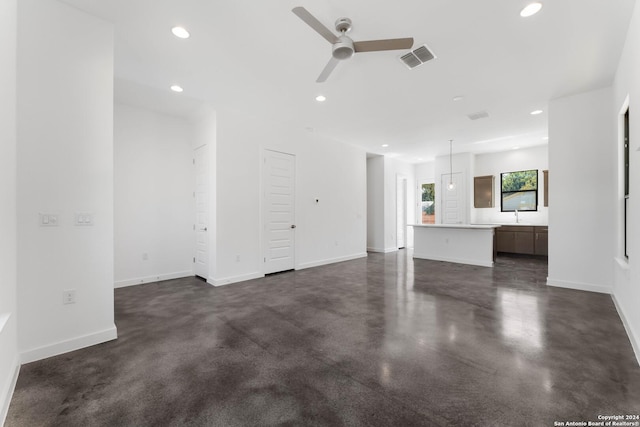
x,y
546,187
522,239
541,242
483,191
505,241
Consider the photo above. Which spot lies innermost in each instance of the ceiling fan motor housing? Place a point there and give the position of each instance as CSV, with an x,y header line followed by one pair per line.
x,y
343,48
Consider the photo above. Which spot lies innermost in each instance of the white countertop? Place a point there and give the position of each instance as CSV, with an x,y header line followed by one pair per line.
x,y
464,226
517,224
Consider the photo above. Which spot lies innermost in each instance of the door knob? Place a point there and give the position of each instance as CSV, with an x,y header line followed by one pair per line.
x,y
203,229
293,226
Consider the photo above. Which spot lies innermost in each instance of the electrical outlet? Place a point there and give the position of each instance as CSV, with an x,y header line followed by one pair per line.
x,y
69,296
145,256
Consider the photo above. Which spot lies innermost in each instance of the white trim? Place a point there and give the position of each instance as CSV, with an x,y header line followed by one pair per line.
x,y
622,263
633,337
69,345
331,261
7,393
153,278
4,319
589,287
456,260
234,279
381,250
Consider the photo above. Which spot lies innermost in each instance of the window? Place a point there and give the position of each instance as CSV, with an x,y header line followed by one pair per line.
x,y
428,204
519,191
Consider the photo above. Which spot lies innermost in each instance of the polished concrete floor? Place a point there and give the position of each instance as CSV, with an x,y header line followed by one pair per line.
x,y
385,340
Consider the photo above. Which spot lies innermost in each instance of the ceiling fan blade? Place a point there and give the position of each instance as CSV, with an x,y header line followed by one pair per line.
x,y
327,70
388,44
311,21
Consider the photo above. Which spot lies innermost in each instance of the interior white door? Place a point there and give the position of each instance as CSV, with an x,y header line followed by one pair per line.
x,y
201,194
453,201
401,211
278,178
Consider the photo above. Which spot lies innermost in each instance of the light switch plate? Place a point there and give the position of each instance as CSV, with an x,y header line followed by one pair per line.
x,y
48,220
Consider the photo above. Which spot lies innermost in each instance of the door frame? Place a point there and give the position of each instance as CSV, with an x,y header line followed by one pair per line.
x,y
462,191
261,206
400,178
208,213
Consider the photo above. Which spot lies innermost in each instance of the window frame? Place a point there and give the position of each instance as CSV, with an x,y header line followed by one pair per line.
x,y
626,142
535,192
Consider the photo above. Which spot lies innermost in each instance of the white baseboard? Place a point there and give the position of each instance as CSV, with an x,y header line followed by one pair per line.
x,y
455,260
331,261
69,345
382,250
7,393
152,278
233,279
631,333
579,286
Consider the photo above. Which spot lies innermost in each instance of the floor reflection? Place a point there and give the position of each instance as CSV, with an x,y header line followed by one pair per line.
x,y
520,317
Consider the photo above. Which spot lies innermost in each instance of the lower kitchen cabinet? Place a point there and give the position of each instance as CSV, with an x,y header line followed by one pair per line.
x,y
541,243
522,239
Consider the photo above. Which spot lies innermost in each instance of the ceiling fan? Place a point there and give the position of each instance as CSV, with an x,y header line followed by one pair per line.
x,y
343,46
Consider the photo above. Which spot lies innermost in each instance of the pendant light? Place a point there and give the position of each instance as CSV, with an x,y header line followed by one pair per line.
x,y
452,185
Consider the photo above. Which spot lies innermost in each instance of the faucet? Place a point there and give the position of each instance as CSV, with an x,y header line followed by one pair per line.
x,y
516,216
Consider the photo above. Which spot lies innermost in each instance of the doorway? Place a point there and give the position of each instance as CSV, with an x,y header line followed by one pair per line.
x,y
427,203
453,200
401,211
201,227
278,211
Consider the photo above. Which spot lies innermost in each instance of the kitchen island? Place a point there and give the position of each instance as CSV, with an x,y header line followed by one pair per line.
x,y
459,243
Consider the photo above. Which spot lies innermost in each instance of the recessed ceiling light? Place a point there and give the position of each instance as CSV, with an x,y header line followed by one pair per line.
x,y
546,138
458,98
531,9
385,145
321,98
515,148
180,32
536,112
176,88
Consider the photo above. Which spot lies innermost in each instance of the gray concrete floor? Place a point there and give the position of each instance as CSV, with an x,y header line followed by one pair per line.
x,y
386,340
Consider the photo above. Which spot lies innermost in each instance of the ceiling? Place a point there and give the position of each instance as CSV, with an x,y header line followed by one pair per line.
x,y
258,57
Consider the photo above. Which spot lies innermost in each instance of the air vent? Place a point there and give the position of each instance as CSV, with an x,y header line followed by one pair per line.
x,y
478,115
417,57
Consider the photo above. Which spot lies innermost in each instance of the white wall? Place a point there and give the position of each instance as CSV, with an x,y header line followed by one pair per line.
x,y
581,158
9,361
65,166
511,161
375,204
626,289
330,231
154,206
